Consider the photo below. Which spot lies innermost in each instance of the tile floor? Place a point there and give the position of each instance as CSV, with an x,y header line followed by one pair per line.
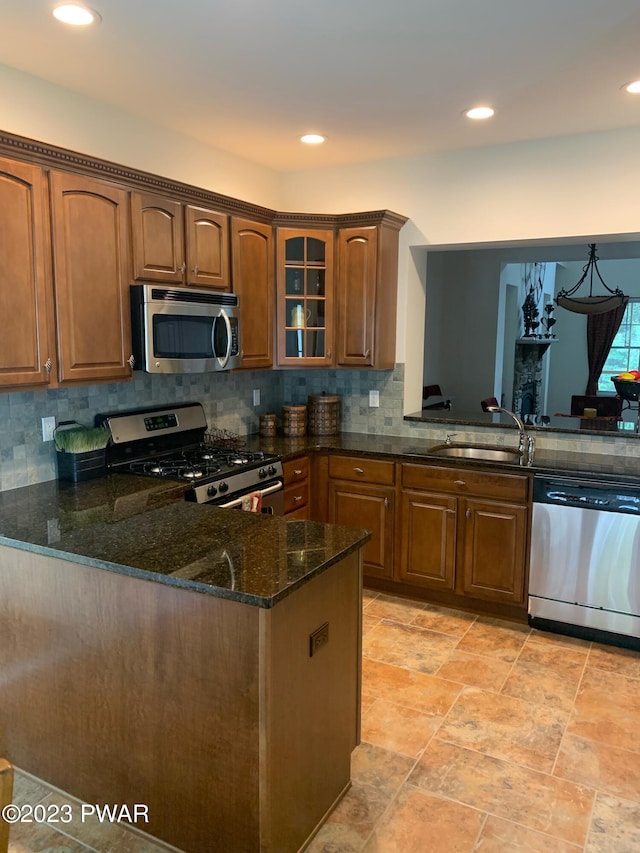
x,y
477,735
484,735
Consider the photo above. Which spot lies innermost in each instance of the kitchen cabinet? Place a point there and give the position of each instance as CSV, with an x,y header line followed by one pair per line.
x,y
252,263
366,294
305,280
27,351
90,234
361,494
296,487
464,532
178,243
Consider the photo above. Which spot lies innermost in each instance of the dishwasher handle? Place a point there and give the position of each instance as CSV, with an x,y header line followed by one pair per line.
x,y
587,494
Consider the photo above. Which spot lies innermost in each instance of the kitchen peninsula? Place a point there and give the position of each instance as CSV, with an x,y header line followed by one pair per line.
x,y
202,662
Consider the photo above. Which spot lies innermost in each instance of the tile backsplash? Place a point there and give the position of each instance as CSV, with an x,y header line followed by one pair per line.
x,y
228,402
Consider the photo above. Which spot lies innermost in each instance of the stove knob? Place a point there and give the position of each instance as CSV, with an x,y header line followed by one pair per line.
x,y
271,471
262,473
212,491
223,487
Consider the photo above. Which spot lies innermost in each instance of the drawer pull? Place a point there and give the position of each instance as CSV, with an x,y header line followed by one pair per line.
x,y
297,471
359,470
459,483
297,498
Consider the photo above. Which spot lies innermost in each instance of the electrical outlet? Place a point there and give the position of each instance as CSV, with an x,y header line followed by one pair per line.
x,y
48,427
256,396
374,399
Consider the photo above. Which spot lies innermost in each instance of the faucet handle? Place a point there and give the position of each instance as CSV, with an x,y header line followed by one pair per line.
x,y
450,435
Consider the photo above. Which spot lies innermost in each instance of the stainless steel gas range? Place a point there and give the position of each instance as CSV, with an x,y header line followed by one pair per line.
x,y
172,442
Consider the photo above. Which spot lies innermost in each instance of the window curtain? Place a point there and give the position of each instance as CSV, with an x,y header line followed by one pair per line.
x,y
601,330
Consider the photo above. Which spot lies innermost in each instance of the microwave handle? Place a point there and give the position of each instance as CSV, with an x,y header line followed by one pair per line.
x,y
224,360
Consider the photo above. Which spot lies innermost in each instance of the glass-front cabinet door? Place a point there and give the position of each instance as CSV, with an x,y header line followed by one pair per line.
x,y
305,297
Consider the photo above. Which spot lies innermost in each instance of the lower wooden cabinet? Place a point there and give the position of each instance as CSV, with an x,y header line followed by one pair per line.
x,y
362,495
465,532
296,487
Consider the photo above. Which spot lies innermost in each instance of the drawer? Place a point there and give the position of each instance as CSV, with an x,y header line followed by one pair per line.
x,y
362,470
463,481
296,495
296,469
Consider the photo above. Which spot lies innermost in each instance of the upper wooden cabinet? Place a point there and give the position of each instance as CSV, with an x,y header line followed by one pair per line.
x,y
305,278
367,295
253,264
179,243
90,227
27,353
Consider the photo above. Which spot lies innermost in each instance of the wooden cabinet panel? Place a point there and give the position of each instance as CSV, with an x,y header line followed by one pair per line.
x,y
305,294
357,254
362,470
26,345
367,286
253,262
207,244
296,487
428,537
90,227
372,508
157,233
465,481
178,243
494,550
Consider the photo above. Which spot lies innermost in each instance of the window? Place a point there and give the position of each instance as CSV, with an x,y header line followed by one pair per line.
x,y
625,351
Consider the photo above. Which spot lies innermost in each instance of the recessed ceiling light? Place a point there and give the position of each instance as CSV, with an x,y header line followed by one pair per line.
x,y
312,139
75,14
633,88
477,113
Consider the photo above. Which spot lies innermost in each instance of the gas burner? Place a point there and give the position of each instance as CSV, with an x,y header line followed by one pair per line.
x,y
190,473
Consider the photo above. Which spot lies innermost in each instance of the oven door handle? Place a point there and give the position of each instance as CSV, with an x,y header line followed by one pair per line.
x,y
269,490
223,360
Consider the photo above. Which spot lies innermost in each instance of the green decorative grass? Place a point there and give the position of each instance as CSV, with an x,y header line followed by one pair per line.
x,y
81,439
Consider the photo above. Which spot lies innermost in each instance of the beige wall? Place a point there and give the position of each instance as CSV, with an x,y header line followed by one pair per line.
x,y
39,110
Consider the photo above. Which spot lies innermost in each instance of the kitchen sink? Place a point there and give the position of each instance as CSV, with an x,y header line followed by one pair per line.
x,y
477,451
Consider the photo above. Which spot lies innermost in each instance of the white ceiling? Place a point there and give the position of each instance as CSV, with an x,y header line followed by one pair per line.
x,y
381,78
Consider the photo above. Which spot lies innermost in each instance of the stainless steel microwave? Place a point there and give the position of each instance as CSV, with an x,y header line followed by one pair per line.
x,y
182,330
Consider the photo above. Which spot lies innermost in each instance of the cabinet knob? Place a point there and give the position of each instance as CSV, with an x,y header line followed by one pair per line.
x,y
131,361
468,513
48,365
359,470
183,267
196,270
386,503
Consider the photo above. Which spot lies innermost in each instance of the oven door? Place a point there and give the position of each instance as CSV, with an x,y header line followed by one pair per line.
x,y
272,499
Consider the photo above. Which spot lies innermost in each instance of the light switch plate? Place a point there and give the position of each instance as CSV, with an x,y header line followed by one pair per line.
x,y
256,396
48,428
374,399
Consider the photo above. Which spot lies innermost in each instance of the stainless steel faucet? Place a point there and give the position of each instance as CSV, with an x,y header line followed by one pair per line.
x,y
526,442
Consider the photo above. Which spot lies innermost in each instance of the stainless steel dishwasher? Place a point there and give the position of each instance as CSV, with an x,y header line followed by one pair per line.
x,y
584,571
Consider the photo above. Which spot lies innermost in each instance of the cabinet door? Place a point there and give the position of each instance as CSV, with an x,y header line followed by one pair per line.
x,y
91,265
207,242
157,233
428,533
371,508
356,292
305,297
493,564
252,257
26,343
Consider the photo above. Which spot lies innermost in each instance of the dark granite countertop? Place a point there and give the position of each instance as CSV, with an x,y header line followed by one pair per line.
x,y
562,462
128,525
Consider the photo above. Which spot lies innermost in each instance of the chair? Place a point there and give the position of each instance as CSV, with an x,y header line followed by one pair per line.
x,y
6,794
434,391
489,401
